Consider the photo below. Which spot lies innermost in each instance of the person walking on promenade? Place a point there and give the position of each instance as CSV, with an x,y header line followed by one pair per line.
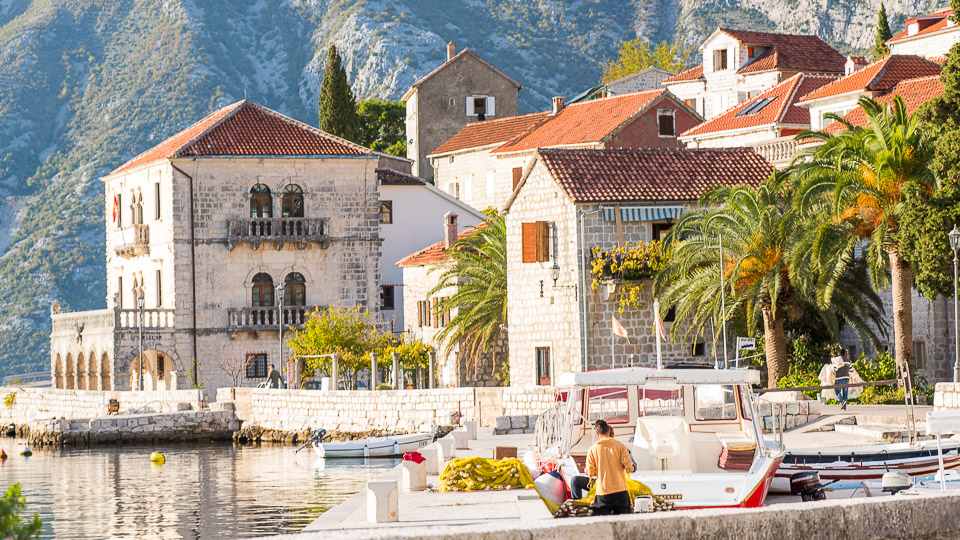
x,y
609,461
843,376
273,377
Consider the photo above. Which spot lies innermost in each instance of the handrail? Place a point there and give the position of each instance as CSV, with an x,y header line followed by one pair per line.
x,y
831,387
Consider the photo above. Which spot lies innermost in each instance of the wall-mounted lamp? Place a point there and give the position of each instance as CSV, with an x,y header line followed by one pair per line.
x,y
555,273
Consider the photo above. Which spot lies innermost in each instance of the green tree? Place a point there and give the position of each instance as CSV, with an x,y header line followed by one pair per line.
x,y
880,48
383,126
757,228
11,524
338,112
636,54
855,185
476,272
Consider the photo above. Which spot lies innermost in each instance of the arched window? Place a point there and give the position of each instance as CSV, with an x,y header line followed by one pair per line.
x,y
292,201
136,209
261,203
295,290
262,290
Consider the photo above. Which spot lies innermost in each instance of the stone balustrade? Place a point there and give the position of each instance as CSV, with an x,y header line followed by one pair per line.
x,y
265,318
89,320
133,241
128,319
778,152
278,231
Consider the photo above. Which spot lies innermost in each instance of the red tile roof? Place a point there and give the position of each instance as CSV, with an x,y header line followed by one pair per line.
x,y
434,253
464,52
489,132
878,76
390,177
693,74
584,122
613,175
789,52
247,129
932,23
942,60
915,92
782,109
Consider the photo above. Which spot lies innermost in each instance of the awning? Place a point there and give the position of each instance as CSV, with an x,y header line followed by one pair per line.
x,y
643,213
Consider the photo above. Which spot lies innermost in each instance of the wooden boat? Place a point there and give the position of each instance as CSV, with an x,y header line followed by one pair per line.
x,y
691,432
389,446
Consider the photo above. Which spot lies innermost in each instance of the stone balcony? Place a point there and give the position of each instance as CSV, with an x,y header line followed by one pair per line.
x,y
265,318
778,152
278,231
121,320
132,241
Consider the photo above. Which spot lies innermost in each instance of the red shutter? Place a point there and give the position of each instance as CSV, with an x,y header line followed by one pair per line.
x,y
517,174
543,241
528,242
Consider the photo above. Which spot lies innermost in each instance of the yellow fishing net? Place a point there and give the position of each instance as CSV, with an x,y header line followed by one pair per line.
x,y
475,474
634,490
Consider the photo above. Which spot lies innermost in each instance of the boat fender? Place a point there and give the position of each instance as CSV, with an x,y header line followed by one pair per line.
x,y
157,458
3,454
26,452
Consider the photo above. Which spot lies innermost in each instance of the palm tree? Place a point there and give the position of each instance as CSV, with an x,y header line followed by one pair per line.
x,y
854,184
757,227
476,270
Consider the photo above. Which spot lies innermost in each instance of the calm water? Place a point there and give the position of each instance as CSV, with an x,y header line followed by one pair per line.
x,y
204,491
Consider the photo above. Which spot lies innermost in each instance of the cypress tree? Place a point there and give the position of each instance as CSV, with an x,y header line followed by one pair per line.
x,y
338,109
880,48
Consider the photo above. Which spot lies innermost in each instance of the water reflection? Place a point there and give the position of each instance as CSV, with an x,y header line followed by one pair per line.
x,y
205,491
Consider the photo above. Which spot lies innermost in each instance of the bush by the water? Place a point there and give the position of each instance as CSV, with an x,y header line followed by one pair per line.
x,y
12,526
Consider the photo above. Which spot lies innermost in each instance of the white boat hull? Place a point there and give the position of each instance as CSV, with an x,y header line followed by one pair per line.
x,y
390,446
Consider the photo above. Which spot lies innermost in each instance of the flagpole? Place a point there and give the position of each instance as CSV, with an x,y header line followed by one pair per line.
x,y
613,337
723,306
657,329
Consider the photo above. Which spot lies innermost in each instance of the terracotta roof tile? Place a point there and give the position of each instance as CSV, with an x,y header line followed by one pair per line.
x,y
584,122
781,109
247,129
878,76
434,253
932,23
789,52
915,92
390,177
693,74
651,175
489,132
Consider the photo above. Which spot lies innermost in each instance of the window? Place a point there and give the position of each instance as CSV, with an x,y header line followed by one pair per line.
x,y
479,106
671,315
919,355
665,123
692,103
386,212
720,60
159,289
443,316
156,201
120,292
261,203
291,203
659,230
543,366
745,409
535,240
660,401
387,299
257,366
699,349
453,102
262,290
491,186
750,52
136,209
715,402
517,175
608,404
294,290
160,367
755,107
118,209
423,313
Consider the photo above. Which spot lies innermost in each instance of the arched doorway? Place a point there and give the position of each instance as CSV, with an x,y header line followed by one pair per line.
x,y
105,371
159,371
93,377
58,372
81,373
261,202
262,292
69,373
292,201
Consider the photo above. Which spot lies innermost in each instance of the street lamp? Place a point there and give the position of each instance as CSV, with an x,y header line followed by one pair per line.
x,y
140,309
555,273
954,237
280,290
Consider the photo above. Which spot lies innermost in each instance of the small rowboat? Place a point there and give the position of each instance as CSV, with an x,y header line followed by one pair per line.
x,y
389,446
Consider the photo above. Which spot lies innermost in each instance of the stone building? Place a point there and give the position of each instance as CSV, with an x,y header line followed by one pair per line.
x,y
569,201
464,89
205,227
483,162
927,35
649,78
421,274
739,64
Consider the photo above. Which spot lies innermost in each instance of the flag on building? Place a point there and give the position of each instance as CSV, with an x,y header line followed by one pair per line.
x,y
116,208
618,328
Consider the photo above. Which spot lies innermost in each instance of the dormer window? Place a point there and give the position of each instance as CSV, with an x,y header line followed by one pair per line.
x,y
750,52
480,107
720,60
666,125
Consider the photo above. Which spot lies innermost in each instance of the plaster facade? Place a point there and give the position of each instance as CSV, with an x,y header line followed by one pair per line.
x,y
645,79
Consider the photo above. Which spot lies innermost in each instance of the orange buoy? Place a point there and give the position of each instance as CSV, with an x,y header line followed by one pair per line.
x,y
3,454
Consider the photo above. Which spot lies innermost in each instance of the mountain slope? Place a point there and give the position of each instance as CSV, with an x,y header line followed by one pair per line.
x,y
84,85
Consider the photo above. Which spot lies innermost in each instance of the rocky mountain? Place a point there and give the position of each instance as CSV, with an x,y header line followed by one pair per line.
x,y
86,84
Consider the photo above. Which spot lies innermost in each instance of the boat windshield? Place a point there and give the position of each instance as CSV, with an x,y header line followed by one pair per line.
x,y
662,400
715,402
609,404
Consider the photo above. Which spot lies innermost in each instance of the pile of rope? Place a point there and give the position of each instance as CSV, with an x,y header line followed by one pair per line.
x,y
476,474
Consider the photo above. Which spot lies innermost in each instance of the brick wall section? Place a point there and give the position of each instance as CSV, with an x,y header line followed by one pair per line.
x,y
946,396
36,404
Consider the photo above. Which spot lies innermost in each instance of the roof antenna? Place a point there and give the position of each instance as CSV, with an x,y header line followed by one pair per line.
x,y
244,94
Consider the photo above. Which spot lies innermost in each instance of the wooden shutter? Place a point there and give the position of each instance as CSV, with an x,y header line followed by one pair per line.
x,y
433,312
517,174
528,236
543,241
419,313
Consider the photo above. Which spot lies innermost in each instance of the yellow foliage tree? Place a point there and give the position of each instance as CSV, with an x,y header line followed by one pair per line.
x,y
636,54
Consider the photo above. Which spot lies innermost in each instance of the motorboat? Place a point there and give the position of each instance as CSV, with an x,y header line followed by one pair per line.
x,y
692,432
392,446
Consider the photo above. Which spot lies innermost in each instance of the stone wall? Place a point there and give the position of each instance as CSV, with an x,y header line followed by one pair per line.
x,y
946,396
175,426
528,400
29,404
794,413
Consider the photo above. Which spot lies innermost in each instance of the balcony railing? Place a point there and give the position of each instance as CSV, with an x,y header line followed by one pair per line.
x,y
265,318
778,152
128,319
279,231
132,241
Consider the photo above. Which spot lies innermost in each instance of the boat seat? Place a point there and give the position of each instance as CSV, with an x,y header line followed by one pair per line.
x,y
737,451
663,443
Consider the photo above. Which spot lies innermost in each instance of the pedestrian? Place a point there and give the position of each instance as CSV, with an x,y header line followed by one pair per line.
x,y
609,461
842,368
273,377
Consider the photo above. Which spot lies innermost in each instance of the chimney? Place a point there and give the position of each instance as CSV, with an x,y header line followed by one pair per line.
x,y
451,50
557,104
449,229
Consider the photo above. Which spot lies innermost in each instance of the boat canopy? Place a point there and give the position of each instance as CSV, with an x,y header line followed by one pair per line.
x,y
643,376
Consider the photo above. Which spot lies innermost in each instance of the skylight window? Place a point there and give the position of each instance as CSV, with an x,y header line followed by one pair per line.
x,y
755,107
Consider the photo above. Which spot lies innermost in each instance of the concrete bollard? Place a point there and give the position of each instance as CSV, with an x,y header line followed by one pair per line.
x,y
471,426
413,476
429,454
460,436
382,501
446,451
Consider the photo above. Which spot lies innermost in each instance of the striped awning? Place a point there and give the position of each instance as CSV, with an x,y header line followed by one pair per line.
x,y
643,213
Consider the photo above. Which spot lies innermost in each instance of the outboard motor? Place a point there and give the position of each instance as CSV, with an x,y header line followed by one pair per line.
x,y
807,485
895,482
